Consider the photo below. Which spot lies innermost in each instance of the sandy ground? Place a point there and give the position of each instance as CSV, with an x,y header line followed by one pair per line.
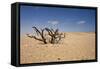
x,y
75,46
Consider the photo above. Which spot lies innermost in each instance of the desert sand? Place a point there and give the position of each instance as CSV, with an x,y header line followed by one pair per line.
x,y
75,46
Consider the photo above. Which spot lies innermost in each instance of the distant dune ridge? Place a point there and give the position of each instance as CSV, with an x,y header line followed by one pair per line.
x,y
75,46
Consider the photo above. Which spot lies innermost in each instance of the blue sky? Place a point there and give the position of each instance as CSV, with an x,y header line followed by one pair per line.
x,y
66,19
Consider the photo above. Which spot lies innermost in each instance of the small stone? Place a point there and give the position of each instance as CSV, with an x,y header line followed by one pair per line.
x,y
58,58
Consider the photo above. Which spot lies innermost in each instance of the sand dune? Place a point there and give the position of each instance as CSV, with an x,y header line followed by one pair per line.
x,y
75,46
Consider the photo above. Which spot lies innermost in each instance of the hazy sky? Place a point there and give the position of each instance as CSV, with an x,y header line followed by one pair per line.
x,y
66,19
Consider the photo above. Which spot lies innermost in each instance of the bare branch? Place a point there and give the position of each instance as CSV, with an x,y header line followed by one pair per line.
x,y
39,32
55,35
